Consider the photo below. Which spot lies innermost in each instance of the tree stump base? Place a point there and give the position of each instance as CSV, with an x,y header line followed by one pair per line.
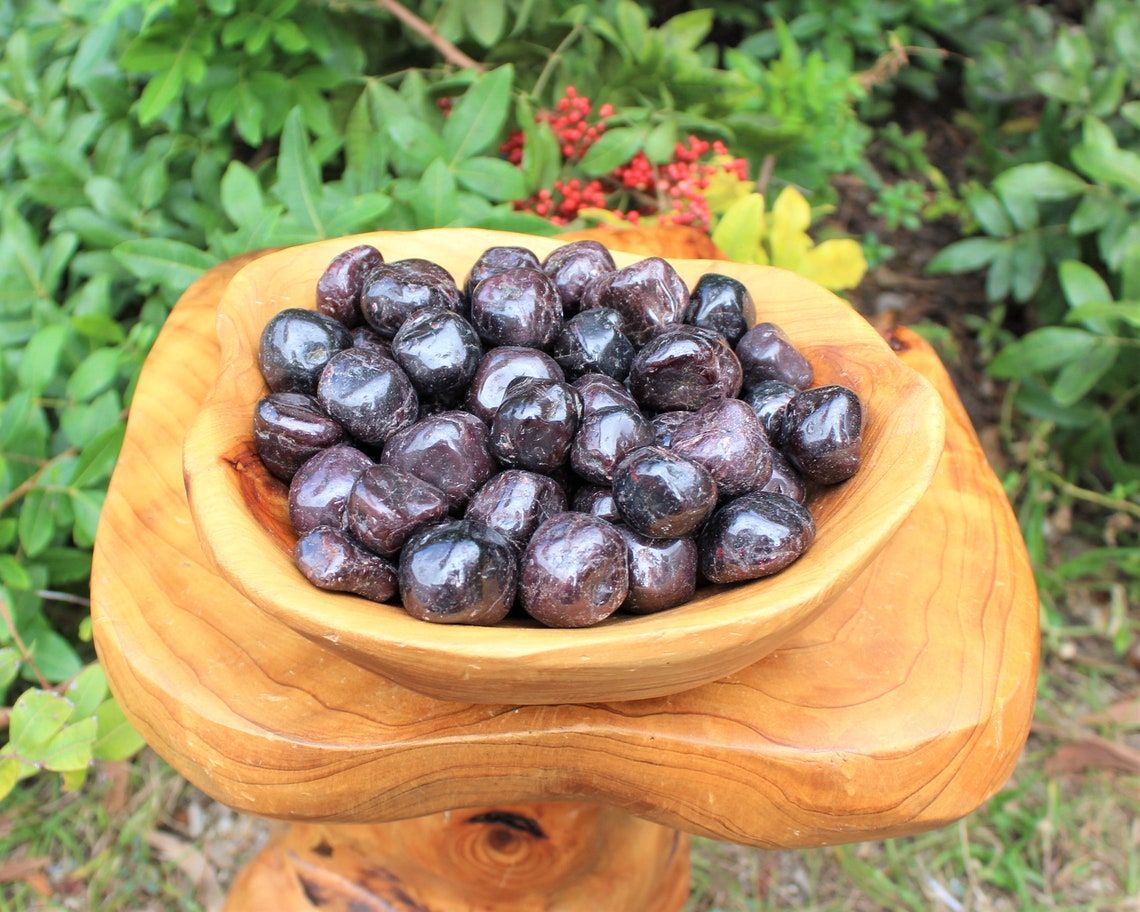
x,y
536,857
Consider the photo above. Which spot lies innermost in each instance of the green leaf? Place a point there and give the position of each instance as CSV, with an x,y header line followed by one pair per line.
x,y
87,691
966,255
365,149
493,178
37,716
41,357
1093,212
435,199
1099,156
174,265
1040,181
9,668
117,738
485,20
478,116
87,504
661,141
541,157
164,88
1042,350
37,521
13,574
242,199
71,749
12,770
53,654
99,456
94,374
1098,314
93,51
990,213
687,30
1022,208
1028,263
299,176
1078,377
614,148
1082,284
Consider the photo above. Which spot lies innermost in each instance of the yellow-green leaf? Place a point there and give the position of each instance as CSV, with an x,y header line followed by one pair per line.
x,y
71,748
835,264
791,211
740,231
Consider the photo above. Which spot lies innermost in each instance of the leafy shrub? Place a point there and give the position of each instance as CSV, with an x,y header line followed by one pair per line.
x,y
1060,239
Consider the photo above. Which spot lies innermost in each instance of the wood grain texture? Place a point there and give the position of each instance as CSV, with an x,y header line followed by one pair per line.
x,y
539,857
241,514
900,708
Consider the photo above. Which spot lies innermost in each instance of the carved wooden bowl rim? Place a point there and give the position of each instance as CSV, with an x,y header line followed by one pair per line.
x,y
242,522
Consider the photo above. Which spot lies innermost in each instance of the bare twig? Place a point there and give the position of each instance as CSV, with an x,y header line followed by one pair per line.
x,y
446,49
53,595
30,482
767,166
21,647
894,58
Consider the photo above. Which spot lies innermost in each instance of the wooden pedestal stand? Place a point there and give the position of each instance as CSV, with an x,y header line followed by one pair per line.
x,y
900,709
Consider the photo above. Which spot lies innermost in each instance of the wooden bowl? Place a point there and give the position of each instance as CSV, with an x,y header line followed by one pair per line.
x,y
241,516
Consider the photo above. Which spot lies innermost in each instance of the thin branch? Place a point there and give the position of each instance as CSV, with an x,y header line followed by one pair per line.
x,y
25,653
554,59
54,596
447,50
30,482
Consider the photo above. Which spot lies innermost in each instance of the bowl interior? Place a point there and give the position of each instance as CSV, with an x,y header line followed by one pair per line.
x,y
242,519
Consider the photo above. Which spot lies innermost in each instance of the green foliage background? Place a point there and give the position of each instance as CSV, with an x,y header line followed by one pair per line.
x,y
145,140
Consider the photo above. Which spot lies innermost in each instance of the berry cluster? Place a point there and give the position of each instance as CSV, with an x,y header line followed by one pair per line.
x,y
671,193
573,123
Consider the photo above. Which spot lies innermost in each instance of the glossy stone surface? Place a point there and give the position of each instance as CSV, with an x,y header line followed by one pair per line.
x,y
592,342
785,479
822,433
518,306
295,346
661,494
728,440
396,290
498,259
332,559
769,400
440,351
604,438
754,536
534,426
496,371
648,294
574,572
458,572
515,502
288,428
573,267
766,353
597,500
448,450
319,492
341,284
388,504
662,571
720,303
682,368
601,392
368,394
